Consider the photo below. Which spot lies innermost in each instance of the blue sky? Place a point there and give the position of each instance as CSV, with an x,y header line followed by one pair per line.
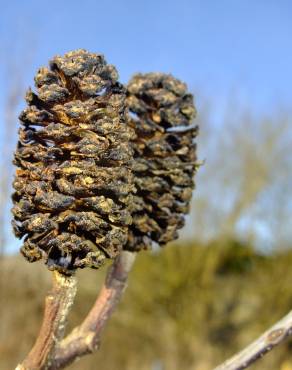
x,y
215,46
220,48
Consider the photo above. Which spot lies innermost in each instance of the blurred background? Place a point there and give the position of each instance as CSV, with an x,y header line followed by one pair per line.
x,y
228,277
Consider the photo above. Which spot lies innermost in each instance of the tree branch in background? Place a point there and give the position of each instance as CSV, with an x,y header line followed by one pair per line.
x,y
85,338
58,304
261,346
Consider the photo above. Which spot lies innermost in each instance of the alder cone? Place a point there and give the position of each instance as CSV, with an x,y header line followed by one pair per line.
x,y
161,111
73,183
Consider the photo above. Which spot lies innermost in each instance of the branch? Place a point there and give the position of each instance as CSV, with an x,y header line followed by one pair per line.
x,y
85,338
58,304
261,346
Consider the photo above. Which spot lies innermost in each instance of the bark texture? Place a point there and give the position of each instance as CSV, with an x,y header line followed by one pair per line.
x,y
57,307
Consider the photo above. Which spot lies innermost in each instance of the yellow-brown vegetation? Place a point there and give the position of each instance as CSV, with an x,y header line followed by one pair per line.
x,y
187,307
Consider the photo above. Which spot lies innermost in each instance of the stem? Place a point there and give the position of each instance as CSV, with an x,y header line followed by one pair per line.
x,y
261,346
85,338
57,306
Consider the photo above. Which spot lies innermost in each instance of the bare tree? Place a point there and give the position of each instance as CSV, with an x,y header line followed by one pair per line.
x,y
246,176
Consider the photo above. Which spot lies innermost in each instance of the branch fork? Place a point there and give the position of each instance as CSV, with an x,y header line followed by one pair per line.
x,y
51,351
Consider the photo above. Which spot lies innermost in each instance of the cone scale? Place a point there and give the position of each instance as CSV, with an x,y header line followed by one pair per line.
x,y
73,181
161,113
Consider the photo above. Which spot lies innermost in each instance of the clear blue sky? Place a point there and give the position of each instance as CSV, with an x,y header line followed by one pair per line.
x,y
215,46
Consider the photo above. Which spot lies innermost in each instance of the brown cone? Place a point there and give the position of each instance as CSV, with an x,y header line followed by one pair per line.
x,y
73,183
161,112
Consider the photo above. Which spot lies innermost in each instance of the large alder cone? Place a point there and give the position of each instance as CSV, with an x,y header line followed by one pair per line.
x,y
73,183
161,111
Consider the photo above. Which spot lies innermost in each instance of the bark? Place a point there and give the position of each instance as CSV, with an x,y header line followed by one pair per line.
x,y
261,346
85,338
57,306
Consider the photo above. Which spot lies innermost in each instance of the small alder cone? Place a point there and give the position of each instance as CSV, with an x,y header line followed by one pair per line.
x,y
73,183
161,112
